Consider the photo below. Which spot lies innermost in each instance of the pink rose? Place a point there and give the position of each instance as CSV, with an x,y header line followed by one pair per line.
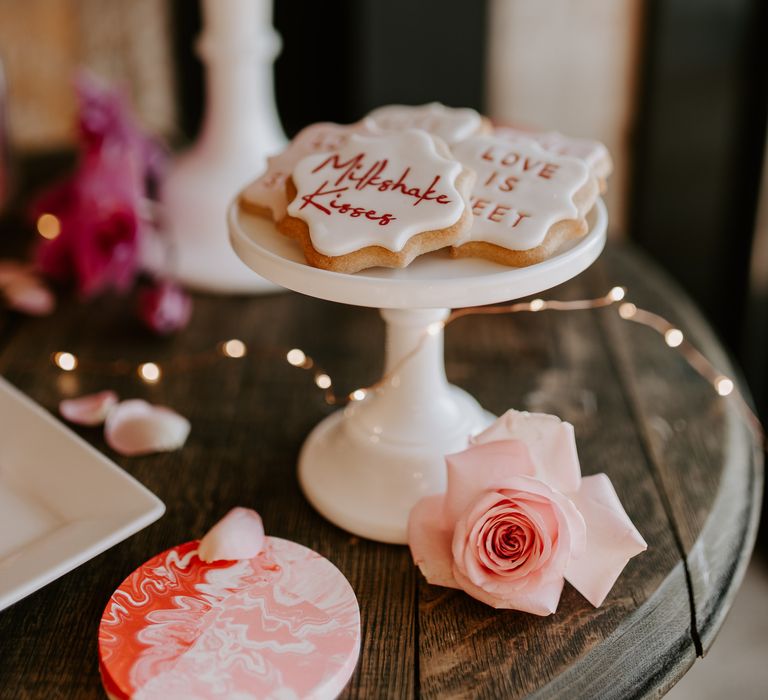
x,y
517,520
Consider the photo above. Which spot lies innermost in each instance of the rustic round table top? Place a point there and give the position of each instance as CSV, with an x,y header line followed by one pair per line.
x,y
686,468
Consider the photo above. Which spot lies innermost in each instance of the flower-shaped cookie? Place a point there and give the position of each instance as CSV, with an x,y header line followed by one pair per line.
x,y
451,124
378,200
526,201
265,196
592,152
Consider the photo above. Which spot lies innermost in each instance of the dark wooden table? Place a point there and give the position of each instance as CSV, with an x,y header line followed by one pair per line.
x,y
686,468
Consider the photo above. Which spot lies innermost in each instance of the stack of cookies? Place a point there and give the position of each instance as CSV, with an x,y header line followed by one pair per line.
x,y
405,181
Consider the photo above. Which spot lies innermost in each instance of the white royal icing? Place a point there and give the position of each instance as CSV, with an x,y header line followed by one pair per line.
x,y
376,190
448,123
592,152
521,190
268,191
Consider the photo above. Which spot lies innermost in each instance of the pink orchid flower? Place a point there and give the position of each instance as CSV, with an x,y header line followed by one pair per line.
x,y
98,207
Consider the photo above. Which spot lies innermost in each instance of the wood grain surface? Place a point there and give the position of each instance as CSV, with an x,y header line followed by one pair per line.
x,y
682,463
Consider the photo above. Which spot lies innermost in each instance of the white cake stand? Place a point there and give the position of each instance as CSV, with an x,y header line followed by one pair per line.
x,y
365,466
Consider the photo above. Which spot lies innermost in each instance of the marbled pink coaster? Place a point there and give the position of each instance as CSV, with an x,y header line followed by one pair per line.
x,y
284,624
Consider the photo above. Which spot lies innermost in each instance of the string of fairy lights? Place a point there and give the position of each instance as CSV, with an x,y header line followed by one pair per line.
x,y
151,372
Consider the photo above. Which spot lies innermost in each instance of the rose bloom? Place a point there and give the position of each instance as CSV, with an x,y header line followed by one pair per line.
x,y
517,520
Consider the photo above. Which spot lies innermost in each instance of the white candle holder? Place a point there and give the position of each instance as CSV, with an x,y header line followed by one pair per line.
x,y
240,129
364,467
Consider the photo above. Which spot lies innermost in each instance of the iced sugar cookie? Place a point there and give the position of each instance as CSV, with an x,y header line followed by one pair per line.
x,y
526,201
265,196
450,124
284,624
378,201
592,152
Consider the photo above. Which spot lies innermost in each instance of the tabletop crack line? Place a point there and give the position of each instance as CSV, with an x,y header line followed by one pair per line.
x,y
616,353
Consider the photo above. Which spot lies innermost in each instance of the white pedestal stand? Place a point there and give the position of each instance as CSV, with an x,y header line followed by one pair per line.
x,y
240,129
365,466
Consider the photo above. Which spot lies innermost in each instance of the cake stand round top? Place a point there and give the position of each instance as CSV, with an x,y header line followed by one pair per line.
x,y
434,280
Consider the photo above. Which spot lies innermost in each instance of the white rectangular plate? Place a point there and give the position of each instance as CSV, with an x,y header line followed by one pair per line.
x,y
61,501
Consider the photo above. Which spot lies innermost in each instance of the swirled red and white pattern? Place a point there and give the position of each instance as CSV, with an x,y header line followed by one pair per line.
x,y
285,624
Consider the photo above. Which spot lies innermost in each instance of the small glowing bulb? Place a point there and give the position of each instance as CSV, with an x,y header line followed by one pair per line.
x,y
537,305
435,328
296,357
48,226
149,372
358,394
323,381
627,310
673,337
724,386
617,294
65,360
233,348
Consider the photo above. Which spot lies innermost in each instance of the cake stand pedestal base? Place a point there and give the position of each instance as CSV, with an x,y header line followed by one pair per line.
x,y
366,466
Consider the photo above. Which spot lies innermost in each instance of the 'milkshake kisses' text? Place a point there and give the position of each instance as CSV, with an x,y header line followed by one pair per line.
x,y
353,175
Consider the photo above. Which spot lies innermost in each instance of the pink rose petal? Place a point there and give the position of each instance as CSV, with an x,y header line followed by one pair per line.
x,y
164,308
238,535
430,541
11,270
29,296
136,427
23,291
481,468
551,443
612,539
537,600
88,410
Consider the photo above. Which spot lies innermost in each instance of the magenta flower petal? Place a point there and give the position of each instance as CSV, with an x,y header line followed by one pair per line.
x,y
164,308
238,535
98,207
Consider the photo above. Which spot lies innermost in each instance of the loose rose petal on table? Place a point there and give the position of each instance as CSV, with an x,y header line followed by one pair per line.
x,y
136,427
612,539
238,535
88,410
29,296
11,270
